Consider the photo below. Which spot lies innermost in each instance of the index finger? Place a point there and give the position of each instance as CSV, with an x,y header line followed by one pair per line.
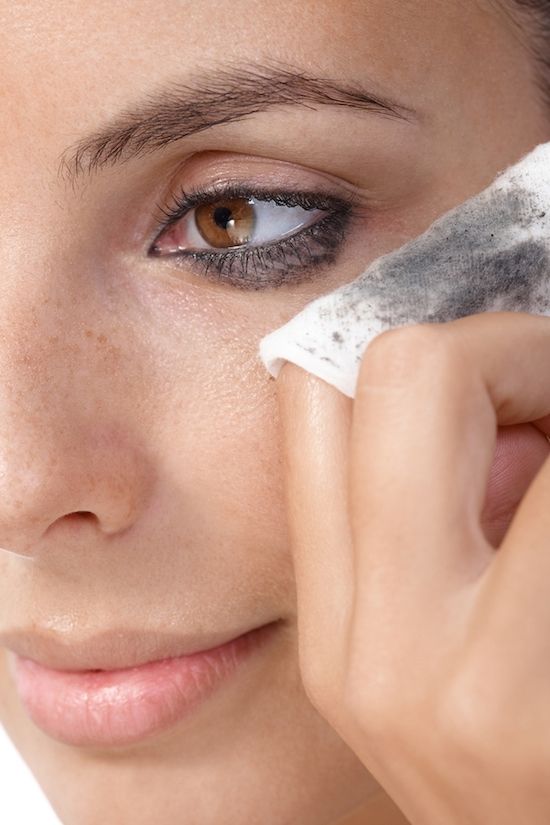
x,y
316,420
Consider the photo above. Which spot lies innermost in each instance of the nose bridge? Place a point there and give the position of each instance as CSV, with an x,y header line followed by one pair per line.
x,y
40,360
42,311
62,450
64,443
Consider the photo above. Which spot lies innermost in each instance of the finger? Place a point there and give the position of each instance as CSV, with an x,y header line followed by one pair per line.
x,y
517,587
521,450
316,422
423,436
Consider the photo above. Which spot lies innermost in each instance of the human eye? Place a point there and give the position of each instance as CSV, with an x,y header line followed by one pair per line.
x,y
251,238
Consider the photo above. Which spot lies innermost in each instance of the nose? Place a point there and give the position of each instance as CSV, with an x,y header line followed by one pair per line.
x,y
67,458
52,480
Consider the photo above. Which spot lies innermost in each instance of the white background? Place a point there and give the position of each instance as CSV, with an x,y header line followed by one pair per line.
x,y
22,801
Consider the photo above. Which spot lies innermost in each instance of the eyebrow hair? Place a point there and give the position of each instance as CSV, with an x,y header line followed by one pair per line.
x,y
223,96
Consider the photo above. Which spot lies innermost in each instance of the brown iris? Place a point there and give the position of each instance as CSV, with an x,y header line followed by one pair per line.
x,y
226,222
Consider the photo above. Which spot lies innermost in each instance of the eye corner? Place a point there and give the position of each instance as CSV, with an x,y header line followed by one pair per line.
x,y
289,261
153,251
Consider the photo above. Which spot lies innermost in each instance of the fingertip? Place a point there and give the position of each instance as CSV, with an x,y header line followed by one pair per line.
x,y
303,395
315,419
290,377
292,385
295,379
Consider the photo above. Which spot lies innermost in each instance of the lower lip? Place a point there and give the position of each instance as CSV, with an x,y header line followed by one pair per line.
x,y
119,707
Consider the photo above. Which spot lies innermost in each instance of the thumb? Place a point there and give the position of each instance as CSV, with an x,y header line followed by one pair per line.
x,y
316,424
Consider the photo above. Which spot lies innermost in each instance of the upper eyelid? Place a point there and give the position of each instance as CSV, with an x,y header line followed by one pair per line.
x,y
166,216
286,265
238,254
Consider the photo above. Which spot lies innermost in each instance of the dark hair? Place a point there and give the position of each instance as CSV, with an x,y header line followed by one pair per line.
x,y
533,16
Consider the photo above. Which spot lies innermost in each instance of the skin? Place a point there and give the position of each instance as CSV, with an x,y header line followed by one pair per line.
x,y
131,386
393,571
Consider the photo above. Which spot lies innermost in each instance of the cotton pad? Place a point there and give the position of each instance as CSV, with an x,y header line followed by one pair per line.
x,y
491,253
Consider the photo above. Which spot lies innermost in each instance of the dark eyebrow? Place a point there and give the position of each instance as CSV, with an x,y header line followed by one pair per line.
x,y
223,96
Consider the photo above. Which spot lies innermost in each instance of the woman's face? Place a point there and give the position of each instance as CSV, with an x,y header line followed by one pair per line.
x,y
141,499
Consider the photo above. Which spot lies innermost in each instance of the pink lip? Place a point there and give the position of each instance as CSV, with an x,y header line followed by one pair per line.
x,y
120,707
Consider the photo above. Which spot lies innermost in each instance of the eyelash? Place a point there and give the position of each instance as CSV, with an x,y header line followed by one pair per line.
x,y
294,260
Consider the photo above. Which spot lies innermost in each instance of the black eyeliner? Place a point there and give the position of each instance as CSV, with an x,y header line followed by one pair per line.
x,y
185,200
295,259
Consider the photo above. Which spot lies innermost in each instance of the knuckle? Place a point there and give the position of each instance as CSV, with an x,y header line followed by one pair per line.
x,y
471,717
352,698
373,701
397,355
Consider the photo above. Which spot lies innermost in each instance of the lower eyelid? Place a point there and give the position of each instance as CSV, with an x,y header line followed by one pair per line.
x,y
296,259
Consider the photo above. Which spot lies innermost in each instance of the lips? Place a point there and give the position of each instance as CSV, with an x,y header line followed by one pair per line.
x,y
119,688
115,707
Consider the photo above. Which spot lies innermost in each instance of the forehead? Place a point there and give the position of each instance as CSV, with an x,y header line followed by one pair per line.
x,y
123,44
68,67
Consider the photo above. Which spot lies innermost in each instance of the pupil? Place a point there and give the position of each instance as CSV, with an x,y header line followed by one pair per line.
x,y
222,216
226,222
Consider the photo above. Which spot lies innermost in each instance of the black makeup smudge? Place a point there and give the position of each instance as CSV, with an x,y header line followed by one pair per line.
x,y
512,278
466,263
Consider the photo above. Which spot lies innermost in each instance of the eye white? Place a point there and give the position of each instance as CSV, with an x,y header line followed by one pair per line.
x,y
273,222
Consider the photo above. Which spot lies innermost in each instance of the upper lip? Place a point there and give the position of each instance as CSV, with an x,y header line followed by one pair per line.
x,y
109,650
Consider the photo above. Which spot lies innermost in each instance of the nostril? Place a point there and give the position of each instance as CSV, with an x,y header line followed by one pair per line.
x,y
80,515
77,519
72,523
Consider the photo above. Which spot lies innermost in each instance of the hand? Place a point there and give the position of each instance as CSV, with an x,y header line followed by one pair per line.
x,y
423,613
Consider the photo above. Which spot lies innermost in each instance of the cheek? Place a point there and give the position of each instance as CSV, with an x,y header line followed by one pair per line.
x,y
211,408
236,438
241,493
212,429
520,452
